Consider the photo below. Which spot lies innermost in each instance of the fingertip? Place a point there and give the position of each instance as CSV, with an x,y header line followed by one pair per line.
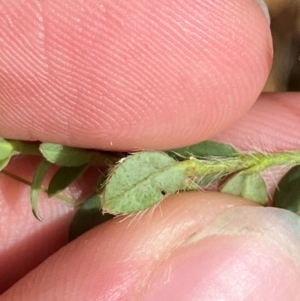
x,y
130,75
271,124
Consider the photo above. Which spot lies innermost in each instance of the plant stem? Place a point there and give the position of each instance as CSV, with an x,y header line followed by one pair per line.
x,y
280,158
102,158
43,189
253,161
25,147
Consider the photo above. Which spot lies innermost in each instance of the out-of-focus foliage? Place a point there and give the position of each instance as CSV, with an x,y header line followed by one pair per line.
x,y
285,26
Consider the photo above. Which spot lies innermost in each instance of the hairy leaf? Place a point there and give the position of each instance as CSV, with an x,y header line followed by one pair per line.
x,y
287,193
88,216
206,149
64,155
36,186
247,185
64,176
140,181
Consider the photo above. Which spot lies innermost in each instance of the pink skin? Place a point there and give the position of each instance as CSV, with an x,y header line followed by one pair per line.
x,y
135,75
110,71
226,268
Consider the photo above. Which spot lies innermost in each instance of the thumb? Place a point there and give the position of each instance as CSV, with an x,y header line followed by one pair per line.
x,y
206,246
247,253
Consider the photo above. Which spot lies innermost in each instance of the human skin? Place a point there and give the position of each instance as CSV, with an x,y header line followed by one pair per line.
x,y
143,75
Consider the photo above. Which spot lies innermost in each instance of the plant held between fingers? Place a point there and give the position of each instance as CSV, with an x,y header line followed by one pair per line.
x,y
142,179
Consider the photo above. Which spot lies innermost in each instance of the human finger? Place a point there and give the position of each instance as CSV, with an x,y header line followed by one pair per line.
x,y
271,125
187,248
115,241
24,241
129,74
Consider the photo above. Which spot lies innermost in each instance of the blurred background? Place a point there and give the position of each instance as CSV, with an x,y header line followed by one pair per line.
x,y
285,26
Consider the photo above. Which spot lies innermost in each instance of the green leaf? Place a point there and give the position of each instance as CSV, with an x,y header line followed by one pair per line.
x,y
25,147
87,217
64,155
6,150
4,162
205,149
287,193
64,176
36,186
140,181
247,185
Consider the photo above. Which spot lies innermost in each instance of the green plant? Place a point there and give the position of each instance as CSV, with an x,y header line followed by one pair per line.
x,y
141,180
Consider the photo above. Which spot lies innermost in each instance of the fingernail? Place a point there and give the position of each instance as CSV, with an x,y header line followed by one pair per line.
x,y
239,256
225,268
265,9
278,226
